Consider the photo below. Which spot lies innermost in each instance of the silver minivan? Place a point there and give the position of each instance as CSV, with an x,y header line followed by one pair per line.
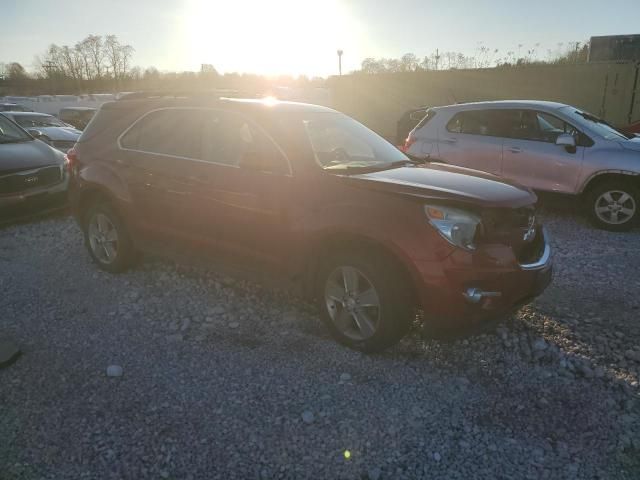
x,y
546,146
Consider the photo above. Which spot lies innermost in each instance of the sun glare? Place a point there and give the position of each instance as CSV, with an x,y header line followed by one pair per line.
x,y
269,37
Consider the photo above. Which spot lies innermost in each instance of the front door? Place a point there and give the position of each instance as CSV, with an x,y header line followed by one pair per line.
x,y
532,158
247,189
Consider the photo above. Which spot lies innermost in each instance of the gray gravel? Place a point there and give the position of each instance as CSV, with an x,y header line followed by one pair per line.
x,y
221,378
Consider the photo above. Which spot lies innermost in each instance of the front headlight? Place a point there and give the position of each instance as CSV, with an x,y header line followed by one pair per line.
x,y
455,225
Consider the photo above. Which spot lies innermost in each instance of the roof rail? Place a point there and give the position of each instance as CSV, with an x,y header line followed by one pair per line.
x,y
209,94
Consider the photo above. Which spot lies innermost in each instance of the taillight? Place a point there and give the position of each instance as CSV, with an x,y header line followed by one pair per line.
x,y
71,160
407,143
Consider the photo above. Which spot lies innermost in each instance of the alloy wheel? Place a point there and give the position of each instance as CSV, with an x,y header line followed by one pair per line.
x,y
352,302
615,207
103,238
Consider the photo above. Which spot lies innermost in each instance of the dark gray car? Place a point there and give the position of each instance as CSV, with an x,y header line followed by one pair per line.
x,y
33,175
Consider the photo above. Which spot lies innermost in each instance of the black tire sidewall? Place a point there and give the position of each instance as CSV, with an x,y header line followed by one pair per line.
x,y
621,185
125,253
396,306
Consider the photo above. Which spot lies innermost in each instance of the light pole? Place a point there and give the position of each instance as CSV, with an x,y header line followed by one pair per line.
x,y
340,52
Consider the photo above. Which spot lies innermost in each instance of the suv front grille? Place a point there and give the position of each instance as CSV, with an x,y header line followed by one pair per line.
x,y
30,179
517,228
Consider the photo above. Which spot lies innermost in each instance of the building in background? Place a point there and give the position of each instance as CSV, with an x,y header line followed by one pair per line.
x,y
614,48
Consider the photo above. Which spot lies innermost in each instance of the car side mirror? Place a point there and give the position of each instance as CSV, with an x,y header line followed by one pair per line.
x,y
566,140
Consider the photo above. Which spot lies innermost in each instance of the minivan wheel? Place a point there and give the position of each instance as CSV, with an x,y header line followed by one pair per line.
x,y
614,206
364,303
107,239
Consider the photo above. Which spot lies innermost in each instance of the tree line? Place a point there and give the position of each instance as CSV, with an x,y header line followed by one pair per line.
x,y
104,64
100,63
483,57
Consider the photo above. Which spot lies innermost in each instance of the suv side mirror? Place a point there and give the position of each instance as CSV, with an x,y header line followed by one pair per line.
x,y
566,140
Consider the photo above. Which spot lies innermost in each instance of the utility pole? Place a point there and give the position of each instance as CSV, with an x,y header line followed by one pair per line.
x,y
437,58
340,52
50,67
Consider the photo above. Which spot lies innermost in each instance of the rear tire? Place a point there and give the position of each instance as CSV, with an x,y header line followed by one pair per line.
x,y
614,205
107,239
364,300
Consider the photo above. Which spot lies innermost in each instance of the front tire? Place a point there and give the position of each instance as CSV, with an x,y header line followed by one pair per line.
x,y
364,300
107,239
614,205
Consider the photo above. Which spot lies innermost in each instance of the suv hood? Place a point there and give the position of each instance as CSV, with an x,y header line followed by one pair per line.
x,y
447,182
16,157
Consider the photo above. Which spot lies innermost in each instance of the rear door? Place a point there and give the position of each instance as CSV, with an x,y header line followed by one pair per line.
x,y
531,156
469,139
161,152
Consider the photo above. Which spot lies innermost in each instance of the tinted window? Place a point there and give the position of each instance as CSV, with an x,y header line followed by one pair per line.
x,y
169,132
202,134
536,126
474,122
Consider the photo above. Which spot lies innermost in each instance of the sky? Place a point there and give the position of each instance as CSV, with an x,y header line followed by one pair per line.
x,y
301,36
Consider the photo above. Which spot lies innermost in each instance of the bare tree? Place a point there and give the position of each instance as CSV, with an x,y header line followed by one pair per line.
x,y
95,48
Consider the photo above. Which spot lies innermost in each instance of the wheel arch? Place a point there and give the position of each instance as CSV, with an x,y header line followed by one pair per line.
x,y
340,241
607,175
88,196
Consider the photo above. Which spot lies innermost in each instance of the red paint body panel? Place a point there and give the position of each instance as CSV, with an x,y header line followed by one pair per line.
x,y
282,221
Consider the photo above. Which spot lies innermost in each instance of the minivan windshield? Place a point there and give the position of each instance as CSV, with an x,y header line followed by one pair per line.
x,y
10,132
341,143
595,124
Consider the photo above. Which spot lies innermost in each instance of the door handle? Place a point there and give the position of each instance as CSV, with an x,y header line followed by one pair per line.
x,y
450,141
515,149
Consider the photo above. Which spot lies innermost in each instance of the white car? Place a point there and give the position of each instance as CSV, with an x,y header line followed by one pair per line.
x,y
545,146
47,128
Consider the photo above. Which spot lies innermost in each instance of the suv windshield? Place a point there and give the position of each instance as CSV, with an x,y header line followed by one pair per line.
x,y
35,121
595,124
341,143
10,133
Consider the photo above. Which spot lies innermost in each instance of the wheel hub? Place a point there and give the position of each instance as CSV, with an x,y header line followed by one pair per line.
x,y
615,207
352,302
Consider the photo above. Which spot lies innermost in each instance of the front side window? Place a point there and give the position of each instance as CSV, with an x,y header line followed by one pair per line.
x,y
535,126
339,142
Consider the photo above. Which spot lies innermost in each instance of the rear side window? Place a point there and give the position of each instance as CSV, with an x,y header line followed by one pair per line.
x,y
474,122
209,135
169,132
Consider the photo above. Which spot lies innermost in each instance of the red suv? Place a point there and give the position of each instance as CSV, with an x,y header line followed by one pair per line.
x,y
311,195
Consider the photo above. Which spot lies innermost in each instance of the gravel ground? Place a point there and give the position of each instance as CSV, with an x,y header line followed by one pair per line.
x,y
226,379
